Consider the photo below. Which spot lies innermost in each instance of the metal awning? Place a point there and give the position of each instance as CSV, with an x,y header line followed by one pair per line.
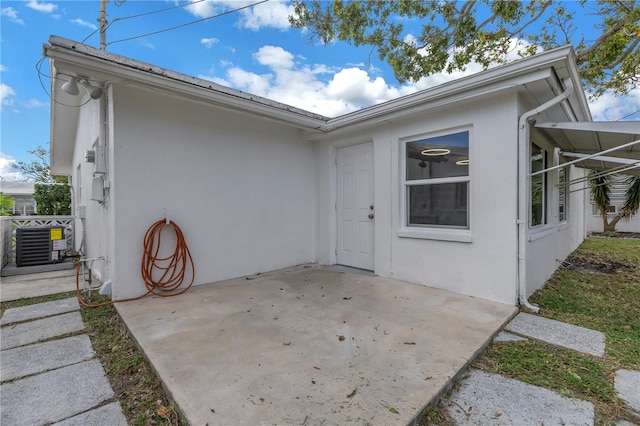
x,y
586,141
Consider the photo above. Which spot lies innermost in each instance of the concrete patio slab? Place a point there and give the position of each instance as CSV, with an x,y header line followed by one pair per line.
x,y
485,398
37,284
39,310
627,386
110,414
570,336
22,334
308,345
55,395
32,359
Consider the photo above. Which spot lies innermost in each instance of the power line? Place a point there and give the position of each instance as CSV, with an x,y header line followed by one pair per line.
x,y
188,23
140,15
628,115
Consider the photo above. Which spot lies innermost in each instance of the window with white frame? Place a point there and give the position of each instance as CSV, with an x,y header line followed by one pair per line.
x,y
538,186
563,172
596,212
436,181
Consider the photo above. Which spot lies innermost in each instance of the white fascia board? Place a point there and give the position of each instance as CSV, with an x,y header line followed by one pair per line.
x,y
88,58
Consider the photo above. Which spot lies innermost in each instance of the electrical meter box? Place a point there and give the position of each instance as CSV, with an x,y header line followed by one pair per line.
x,y
40,245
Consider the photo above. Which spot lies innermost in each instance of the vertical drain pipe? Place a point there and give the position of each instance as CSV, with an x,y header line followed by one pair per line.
x,y
523,185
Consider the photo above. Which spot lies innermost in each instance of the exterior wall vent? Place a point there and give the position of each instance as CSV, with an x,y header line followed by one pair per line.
x,y
89,156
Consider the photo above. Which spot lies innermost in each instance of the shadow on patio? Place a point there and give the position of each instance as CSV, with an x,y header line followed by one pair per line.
x,y
310,345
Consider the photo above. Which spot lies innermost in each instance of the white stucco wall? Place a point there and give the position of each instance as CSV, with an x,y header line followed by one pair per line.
x,y
241,188
94,227
252,195
484,267
594,221
550,243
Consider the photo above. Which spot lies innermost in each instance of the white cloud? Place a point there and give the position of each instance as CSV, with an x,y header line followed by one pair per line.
x,y
250,82
515,46
274,57
7,168
273,14
302,86
6,95
209,42
84,23
12,14
611,108
34,103
333,92
2,68
146,43
202,9
42,7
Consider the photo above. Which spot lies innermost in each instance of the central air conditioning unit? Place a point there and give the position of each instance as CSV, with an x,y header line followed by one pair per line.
x,y
40,245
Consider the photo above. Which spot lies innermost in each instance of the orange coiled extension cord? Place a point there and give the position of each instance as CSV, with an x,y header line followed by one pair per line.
x,y
170,271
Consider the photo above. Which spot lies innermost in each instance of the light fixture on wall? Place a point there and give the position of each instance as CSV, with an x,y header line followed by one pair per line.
x,y
94,92
71,87
435,151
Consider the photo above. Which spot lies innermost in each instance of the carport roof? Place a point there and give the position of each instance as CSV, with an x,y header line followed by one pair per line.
x,y
589,141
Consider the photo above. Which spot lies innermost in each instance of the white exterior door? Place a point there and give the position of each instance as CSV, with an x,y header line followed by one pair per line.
x,y
355,207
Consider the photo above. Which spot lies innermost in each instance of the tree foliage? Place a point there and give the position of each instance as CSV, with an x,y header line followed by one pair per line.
x,y
456,33
52,199
6,204
38,169
600,187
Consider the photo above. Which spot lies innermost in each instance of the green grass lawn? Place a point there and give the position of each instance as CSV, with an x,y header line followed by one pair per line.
x,y
598,288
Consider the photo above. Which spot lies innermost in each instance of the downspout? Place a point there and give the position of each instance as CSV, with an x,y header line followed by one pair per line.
x,y
523,184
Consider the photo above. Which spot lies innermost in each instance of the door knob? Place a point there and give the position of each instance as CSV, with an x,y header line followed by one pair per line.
x,y
370,215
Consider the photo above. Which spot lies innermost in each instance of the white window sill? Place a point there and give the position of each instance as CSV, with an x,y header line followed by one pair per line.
x,y
563,225
457,235
540,232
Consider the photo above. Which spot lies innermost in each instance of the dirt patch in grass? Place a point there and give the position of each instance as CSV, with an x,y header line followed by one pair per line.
x,y
616,234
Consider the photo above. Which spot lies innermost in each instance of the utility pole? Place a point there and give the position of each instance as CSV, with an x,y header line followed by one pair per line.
x,y
103,24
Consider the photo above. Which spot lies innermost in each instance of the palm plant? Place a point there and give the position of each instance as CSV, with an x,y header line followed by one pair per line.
x,y
600,187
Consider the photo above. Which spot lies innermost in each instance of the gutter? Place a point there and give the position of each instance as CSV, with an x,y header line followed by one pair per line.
x,y
524,179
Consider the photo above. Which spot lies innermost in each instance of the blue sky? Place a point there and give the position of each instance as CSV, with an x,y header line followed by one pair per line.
x,y
252,50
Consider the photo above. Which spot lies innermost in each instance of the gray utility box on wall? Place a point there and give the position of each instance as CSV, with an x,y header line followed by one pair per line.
x,y
40,245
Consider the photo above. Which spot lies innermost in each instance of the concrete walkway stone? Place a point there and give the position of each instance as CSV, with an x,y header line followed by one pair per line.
x,y
55,395
32,359
40,310
558,333
42,329
40,284
485,398
627,386
110,414
504,336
